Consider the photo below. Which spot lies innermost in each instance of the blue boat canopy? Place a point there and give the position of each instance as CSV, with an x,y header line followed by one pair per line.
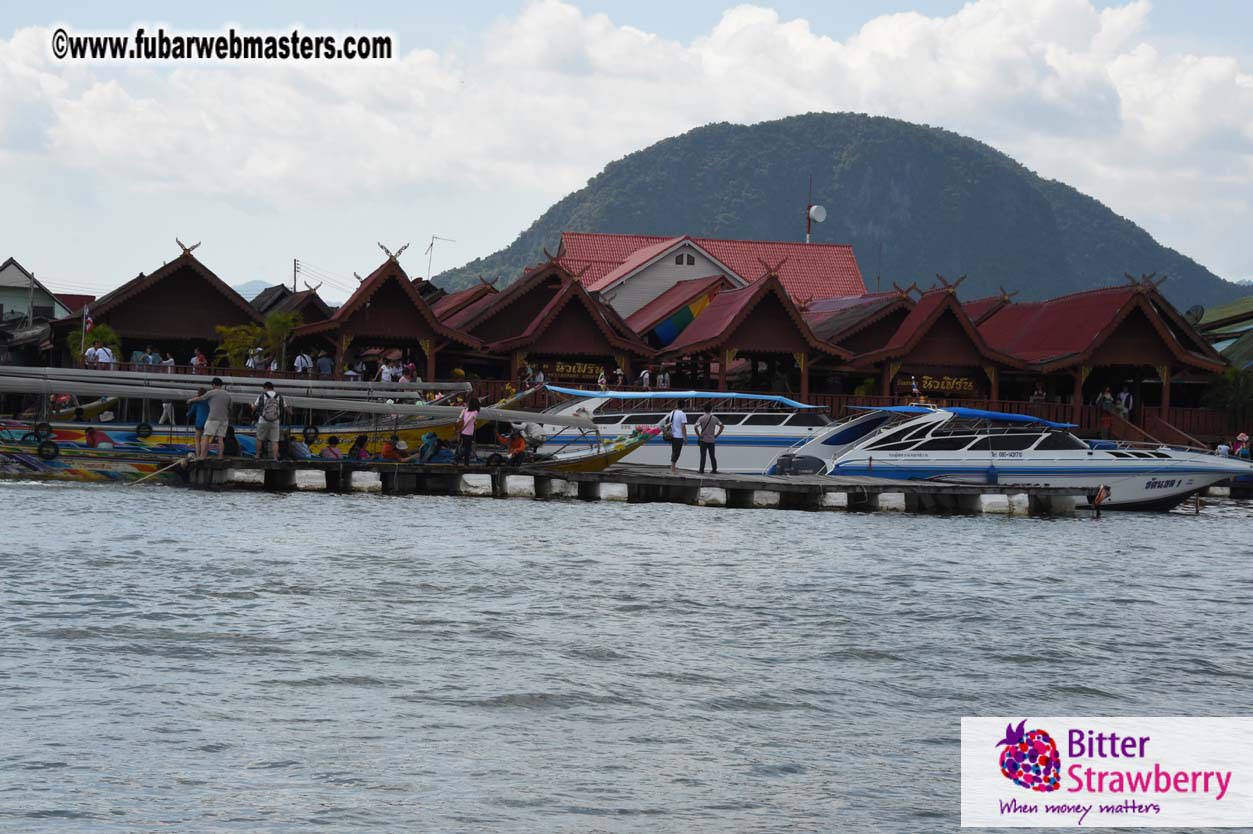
x,y
680,395
977,413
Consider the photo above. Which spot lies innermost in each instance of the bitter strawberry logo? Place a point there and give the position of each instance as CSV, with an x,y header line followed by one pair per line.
x,y
1030,758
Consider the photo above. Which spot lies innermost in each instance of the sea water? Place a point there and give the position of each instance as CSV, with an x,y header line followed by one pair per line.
x,y
240,661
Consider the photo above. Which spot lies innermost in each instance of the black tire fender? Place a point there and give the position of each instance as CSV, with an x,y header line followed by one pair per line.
x,y
48,450
143,430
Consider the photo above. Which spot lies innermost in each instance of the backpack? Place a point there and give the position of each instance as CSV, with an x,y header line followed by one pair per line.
x,y
271,408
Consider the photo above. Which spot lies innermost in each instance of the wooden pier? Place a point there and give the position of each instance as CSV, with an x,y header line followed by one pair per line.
x,y
649,484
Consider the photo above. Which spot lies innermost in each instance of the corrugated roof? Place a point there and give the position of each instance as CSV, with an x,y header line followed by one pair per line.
x,y
679,295
457,301
807,270
929,309
729,309
1225,313
834,318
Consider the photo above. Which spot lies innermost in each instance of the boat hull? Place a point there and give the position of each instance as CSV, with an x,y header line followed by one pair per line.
x,y
741,455
23,462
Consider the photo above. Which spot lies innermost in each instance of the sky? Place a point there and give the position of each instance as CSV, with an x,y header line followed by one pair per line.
x,y
490,112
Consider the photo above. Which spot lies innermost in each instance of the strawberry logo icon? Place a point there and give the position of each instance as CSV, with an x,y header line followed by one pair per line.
x,y
1030,758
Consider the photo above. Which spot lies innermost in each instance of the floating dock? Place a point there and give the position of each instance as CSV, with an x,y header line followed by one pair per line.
x,y
640,484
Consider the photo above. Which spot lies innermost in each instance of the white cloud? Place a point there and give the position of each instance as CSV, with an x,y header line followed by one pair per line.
x,y
542,99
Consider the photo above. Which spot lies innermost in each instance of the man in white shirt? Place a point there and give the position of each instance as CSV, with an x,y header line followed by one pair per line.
x,y
644,378
303,363
663,379
540,378
676,433
104,357
92,354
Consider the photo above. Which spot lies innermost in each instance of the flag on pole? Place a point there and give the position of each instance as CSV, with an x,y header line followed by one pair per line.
x,y
87,322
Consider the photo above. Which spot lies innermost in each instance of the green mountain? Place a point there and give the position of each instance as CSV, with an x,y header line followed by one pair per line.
x,y
912,200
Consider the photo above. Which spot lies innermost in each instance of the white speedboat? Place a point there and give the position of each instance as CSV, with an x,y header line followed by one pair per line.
x,y
758,426
966,445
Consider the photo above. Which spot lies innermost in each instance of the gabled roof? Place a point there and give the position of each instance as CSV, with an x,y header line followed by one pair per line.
x,y
978,309
389,271
572,292
641,258
835,319
141,282
807,270
491,304
296,301
455,302
270,296
26,279
680,295
1240,352
730,309
1067,330
925,313
74,301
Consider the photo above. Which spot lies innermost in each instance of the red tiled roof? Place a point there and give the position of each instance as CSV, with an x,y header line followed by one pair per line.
x,y
1064,330
979,309
807,270
664,305
729,309
74,301
455,302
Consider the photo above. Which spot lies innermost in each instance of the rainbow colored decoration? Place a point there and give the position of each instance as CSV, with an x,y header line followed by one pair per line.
x,y
669,329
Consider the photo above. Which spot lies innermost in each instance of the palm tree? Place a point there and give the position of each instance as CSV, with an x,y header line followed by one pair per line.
x,y
278,330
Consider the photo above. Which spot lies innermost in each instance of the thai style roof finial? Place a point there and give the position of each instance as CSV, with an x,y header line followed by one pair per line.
x,y
772,270
389,254
488,283
187,250
315,289
905,291
1006,296
951,288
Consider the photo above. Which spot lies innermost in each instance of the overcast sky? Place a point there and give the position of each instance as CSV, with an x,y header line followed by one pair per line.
x,y
490,112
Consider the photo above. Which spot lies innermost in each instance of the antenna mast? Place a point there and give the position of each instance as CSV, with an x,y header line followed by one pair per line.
x,y
430,252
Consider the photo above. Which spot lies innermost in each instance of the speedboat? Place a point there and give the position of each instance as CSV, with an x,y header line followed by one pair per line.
x,y
758,426
967,445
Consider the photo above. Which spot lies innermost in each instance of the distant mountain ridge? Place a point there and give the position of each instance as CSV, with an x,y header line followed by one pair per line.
x,y
913,201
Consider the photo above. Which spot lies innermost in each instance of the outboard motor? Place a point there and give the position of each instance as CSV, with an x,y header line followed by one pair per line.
x,y
789,464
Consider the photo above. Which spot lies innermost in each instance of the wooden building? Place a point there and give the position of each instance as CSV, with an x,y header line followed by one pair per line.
x,y
547,318
386,311
758,323
177,308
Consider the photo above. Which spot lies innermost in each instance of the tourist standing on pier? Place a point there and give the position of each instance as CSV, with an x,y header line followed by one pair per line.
x,y
269,408
216,421
708,427
465,430
676,433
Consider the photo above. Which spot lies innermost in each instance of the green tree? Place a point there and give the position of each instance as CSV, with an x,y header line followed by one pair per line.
x,y
238,341
106,335
1232,392
278,330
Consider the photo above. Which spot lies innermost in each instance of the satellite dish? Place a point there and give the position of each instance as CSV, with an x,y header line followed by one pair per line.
x,y
817,214
1195,314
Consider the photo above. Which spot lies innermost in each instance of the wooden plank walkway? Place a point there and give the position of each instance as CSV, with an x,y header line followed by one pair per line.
x,y
643,484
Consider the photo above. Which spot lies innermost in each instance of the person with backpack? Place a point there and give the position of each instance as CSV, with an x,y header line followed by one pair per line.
x,y
708,427
269,409
676,433
303,363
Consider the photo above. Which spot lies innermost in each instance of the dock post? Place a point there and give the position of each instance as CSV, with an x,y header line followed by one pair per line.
x,y
680,494
739,499
500,483
279,479
809,500
863,501
339,480
543,488
589,490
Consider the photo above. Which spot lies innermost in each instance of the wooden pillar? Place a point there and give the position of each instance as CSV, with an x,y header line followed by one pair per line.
x,y
1163,371
887,380
723,360
1081,373
994,378
802,363
428,347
